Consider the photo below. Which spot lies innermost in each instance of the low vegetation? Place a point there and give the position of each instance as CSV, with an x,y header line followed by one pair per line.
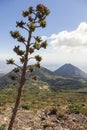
x,y
45,108
35,97
2,127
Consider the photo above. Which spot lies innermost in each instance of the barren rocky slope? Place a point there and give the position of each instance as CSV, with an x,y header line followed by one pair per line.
x,y
44,120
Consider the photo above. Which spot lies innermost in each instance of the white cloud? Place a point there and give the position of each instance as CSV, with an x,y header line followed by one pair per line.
x,y
44,38
68,47
71,45
71,40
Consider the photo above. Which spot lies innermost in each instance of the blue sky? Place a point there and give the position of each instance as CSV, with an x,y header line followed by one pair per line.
x,y
66,31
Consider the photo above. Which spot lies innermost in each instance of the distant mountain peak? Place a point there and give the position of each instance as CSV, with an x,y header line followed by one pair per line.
x,y
70,70
54,80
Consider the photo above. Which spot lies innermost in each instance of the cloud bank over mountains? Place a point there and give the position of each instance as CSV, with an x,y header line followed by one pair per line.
x,y
68,47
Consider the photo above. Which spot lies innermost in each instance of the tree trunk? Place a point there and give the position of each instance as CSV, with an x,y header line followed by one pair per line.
x,y
18,99
22,82
15,108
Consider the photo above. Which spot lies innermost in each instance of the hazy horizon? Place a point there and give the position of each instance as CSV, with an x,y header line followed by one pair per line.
x,y
4,68
66,32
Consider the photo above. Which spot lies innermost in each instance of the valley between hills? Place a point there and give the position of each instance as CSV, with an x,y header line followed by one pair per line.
x,y
56,101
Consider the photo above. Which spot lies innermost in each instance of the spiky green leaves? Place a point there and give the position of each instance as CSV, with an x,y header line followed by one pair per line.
x,y
44,44
38,39
35,18
36,46
42,12
10,61
43,9
37,65
39,43
20,24
31,26
31,50
38,58
43,23
25,13
18,51
21,39
31,68
17,35
28,12
22,59
16,70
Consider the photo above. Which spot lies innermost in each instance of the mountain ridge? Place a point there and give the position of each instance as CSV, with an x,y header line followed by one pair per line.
x,y
55,81
70,70
2,74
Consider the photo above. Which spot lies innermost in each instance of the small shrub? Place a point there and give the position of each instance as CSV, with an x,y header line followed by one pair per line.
x,y
2,127
60,115
53,111
26,106
47,124
73,108
84,111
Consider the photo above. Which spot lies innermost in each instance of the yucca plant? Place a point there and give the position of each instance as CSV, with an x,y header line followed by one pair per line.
x,y
36,18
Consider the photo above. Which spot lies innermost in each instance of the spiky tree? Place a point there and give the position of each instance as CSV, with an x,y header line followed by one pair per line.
x,y
36,18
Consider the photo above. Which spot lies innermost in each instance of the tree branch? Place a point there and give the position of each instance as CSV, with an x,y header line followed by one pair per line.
x,y
17,66
31,58
25,28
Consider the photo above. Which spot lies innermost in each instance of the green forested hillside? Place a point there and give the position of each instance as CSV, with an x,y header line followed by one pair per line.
x,y
54,82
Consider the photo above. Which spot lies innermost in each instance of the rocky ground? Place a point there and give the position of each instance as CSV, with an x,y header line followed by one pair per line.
x,y
44,120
